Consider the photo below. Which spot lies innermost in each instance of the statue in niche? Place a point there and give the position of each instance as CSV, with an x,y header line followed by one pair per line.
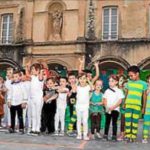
x,y
57,21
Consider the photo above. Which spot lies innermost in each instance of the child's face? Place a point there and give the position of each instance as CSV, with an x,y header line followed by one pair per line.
x,y
50,84
63,82
72,79
1,80
112,83
23,77
34,71
16,77
83,80
98,85
133,76
9,73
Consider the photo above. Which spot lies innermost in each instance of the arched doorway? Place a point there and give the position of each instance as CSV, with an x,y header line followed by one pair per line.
x,y
145,68
111,65
57,69
6,63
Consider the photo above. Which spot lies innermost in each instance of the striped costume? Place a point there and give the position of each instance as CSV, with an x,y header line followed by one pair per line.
x,y
146,125
133,104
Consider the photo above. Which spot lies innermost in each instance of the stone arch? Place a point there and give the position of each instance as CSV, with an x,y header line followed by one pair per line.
x,y
55,20
114,61
9,63
54,61
145,64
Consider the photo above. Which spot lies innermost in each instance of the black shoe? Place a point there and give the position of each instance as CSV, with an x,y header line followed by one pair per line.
x,y
105,137
11,130
21,131
114,139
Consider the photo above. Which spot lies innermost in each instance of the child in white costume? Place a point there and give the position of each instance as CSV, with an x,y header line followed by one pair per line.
x,y
61,103
82,106
36,95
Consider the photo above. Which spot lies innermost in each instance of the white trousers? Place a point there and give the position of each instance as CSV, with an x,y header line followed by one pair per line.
x,y
60,116
29,114
36,114
82,118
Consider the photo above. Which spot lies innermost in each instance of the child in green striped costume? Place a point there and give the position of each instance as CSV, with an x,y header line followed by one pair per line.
x,y
133,103
146,124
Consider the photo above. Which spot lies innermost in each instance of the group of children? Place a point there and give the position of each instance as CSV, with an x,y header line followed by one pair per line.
x,y
40,103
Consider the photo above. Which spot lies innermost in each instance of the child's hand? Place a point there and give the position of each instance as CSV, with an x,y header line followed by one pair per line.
x,y
111,108
81,60
9,104
96,64
23,105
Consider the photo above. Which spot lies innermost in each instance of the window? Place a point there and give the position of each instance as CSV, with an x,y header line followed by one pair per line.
x,y
110,23
7,29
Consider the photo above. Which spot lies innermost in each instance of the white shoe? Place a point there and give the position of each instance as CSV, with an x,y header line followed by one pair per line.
x,y
79,137
98,135
56,133
86,138
62,133
144,141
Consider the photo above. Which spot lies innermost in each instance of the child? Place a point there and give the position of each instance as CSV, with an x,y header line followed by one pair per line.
x,y
146,125
26,83
36,95
49,107
122,82
61,104
72,102
96,109
17,100
112,99
82,106
9,80
2,99
133,103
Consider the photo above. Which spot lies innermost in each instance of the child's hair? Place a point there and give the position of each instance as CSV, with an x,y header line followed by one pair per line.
x,y
81,75
9,69
115,77
71,74
17,72
37,66
65,78
88,71
23,71
52,79
134,69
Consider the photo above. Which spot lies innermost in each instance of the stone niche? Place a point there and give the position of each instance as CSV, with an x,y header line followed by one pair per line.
x,y
55,21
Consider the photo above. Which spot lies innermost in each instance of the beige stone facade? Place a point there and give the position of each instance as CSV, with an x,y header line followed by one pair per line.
x,y
55,31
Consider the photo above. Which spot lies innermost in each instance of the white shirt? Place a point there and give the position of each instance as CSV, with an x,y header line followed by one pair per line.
x,y
113,97
8,86
17,94
62,99
83,97
36,87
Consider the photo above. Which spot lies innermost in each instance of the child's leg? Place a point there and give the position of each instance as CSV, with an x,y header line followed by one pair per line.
x,y
146,126
79,119
20,116
128,122
13,116
39,105
136,116
57,119
107,123
29,114
62,118
33,117
98,122
122,127
85,117
115,115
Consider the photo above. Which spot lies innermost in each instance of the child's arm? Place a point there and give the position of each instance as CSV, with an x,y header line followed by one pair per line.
x,y
9,96
52,98
126,93
81,65
116,105
91,85
96,64
144,101
41,75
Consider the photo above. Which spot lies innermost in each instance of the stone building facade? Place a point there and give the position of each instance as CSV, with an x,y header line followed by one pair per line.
x,y
58,32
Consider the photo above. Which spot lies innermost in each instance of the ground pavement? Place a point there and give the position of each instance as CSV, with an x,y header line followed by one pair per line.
x,y
49,142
